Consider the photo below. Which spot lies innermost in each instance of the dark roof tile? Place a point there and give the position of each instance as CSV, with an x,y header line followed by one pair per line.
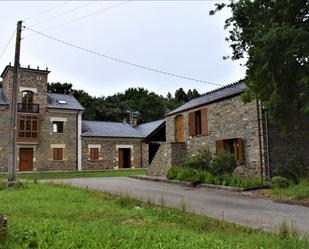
x,y
63,101
212,96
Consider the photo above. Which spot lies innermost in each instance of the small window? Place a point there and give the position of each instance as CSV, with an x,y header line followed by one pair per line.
x,y
94,154
57,127
57,154
62,102
198,126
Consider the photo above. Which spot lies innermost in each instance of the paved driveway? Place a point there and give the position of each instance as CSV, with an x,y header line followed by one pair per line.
x,y
234,207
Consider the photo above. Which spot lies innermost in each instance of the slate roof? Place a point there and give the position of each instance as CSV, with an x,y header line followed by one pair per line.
x,y
3,100
71,103
148,128
212,96
118,129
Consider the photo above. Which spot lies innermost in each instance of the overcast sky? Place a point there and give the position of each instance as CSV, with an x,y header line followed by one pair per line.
x,y
174,36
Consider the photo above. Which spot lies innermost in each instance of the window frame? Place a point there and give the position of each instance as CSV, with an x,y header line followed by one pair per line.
x,y
57,154
198,122
94,154
59,125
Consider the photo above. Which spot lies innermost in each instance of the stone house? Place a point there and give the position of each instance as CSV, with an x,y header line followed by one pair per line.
x,y
51,135
221,121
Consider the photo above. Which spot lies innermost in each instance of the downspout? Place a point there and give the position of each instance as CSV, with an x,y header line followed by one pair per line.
x,y
142,166
267,143
79,142
260,142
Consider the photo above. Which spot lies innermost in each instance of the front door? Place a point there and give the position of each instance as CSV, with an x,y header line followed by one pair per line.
x,y
179,129
25,159
124,158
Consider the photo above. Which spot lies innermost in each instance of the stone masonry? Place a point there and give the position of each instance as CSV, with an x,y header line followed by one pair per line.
x,y
168,154
108,153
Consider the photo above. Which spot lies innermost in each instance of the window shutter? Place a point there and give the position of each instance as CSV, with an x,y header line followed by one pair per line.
x,y
240,151
204,121
219,146
192,123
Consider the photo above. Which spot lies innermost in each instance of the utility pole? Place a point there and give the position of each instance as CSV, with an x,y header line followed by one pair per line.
x,y
12,166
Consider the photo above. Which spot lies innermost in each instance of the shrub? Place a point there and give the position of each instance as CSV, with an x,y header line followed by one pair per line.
x,y
199,161
188,174
172,173
294,170
279,182
207,177
193,162
222,163
205,157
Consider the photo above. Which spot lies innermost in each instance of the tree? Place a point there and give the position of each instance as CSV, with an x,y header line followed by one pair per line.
x,y
181,96
274,36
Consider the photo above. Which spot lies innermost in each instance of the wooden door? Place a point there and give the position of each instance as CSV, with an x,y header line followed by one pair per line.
x,y
179,129
25,159
120,158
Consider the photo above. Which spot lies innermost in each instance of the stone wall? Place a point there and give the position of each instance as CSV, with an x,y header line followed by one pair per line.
x,y
47,139
4,137
168,154
108,153
228,118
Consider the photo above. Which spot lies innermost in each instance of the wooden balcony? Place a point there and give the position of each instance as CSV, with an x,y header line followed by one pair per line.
x,y
28,108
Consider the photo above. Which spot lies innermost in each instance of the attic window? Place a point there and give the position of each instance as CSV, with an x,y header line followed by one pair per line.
x,y
62,102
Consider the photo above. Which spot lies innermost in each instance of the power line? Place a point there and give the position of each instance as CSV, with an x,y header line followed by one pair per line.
x,y
6,46
123,61
46,10
61,14
82,17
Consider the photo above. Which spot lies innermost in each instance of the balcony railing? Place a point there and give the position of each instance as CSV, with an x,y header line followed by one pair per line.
x,y
29,108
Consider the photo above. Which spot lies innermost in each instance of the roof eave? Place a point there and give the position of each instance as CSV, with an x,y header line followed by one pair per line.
x,y
206,103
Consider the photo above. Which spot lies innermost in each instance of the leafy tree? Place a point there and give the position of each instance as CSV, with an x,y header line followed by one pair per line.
x,y
181,96
58,87
274,36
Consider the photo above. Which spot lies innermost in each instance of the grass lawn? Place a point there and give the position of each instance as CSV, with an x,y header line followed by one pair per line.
x,y
48,216
63,175
299,191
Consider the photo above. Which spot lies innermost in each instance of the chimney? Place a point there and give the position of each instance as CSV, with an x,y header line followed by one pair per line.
x,y
133,121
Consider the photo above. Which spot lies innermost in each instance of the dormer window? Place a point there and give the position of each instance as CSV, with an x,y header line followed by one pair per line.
x,y
62,102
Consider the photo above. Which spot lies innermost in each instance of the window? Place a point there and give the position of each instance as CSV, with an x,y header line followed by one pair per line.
x,y
198,122
233,146
198,127
27,126
27,98
57,154
57,127
94,154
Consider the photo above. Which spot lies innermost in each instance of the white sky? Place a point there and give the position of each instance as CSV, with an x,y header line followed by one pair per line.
x,y
175,36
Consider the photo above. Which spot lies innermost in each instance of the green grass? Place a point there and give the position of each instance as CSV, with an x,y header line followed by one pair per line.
x,y
297,191
64,175
49,217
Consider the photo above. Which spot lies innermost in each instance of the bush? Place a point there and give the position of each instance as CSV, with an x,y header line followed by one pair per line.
x,y
193,162
223,163
207,177
172,173
188,174
199,161
279,182
294,170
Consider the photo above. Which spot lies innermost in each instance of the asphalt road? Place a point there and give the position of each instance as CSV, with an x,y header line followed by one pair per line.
x,y
234,207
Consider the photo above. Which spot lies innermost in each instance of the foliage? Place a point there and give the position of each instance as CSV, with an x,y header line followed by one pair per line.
x,y
273,35
201,160
207,177
150,105
172,173
294,170
222,163
279,182
189,175
298,191
49,217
